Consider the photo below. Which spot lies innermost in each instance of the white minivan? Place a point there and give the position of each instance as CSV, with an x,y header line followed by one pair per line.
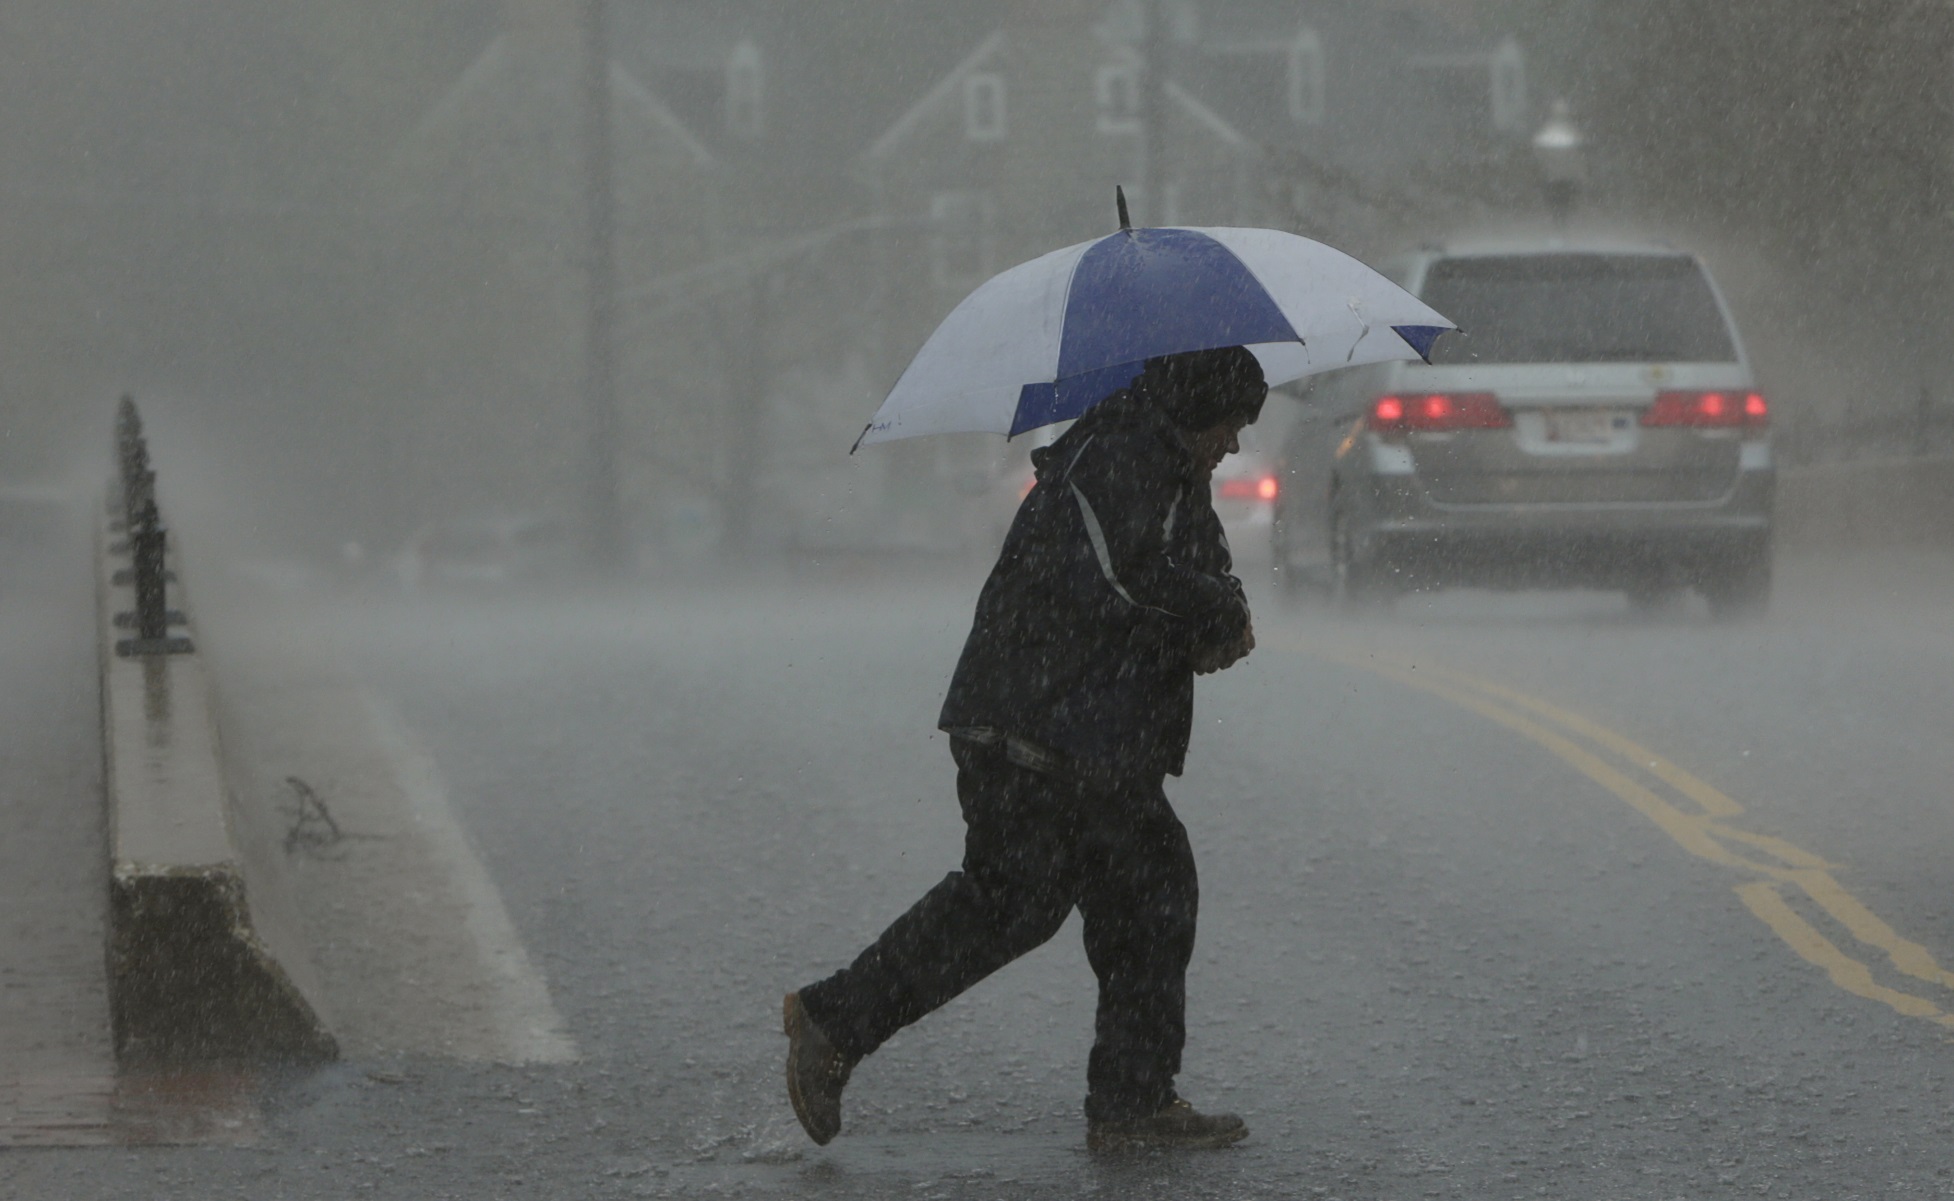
x,y
1595,424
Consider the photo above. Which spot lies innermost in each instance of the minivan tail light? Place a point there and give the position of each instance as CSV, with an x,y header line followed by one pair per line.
x,y
1709,410
1437,412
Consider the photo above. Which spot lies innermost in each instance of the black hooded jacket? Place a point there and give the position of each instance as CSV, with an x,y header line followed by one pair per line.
x,y
1115,570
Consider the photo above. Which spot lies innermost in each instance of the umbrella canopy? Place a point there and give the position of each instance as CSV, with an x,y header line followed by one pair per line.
x,y
1048,339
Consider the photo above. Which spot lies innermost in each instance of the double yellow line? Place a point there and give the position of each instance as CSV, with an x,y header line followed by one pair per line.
x,y
1697,816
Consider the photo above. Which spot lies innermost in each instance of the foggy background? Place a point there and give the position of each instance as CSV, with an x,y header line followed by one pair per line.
x,y
1574,895
344,254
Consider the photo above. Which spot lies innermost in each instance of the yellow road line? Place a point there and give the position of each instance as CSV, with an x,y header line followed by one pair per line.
x,y
1810,873
1866,926
1703,834
1714,802
1763,899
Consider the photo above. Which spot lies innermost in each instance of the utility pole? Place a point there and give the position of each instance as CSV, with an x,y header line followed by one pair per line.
x,y
603,522
750,377
1153,114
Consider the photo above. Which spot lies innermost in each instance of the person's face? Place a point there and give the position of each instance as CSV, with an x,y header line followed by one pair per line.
x,y
1215,443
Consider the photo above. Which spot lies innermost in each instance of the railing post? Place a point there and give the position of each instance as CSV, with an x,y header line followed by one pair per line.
x,y
131,457
138,490
145,541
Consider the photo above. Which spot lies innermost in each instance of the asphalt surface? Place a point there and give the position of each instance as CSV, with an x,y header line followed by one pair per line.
x,y
56,1062
1502,897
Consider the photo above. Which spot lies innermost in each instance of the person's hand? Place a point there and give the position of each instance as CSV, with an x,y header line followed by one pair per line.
x,y
1210,659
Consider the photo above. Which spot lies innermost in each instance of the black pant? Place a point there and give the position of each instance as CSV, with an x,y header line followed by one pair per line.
x,y
1035,847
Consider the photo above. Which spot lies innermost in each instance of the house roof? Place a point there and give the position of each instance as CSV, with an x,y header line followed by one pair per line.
x,y
633,97
1404,82
1204,116
490,84
1393,75
832,68
946,91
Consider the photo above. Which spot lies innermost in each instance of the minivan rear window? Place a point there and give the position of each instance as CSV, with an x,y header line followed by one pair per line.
x,y
1577,308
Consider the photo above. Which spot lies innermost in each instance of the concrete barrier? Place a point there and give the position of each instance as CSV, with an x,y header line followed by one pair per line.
x,y
1867,504
200,963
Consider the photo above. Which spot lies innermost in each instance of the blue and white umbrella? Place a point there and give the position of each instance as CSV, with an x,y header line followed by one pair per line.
x,y
1048,339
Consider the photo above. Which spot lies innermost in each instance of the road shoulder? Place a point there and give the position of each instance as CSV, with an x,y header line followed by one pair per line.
x,y
408,933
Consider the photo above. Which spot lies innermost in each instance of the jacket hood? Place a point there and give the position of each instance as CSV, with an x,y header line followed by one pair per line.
x,y
1125,412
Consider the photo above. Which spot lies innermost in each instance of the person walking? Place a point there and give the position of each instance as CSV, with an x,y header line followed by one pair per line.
x,y
1072,700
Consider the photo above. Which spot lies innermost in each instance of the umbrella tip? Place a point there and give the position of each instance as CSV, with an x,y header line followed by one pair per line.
x,y
1119,198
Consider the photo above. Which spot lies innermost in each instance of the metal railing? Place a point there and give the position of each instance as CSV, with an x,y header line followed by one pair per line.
x,y
145,543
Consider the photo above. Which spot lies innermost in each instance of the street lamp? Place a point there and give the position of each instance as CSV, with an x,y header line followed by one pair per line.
x,y
1560,150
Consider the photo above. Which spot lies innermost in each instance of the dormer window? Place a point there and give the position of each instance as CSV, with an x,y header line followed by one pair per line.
x,y
1305,78
983,107
745,91
1509,83
1117,89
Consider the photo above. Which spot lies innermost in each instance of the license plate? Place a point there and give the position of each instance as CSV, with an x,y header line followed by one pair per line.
x,y
1583,427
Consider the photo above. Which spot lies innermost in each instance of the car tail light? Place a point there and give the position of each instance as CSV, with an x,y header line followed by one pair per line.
x,y
1436,412
1260,487
1709,410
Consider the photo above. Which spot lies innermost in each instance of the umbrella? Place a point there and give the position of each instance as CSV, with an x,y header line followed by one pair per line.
x,y
1048,339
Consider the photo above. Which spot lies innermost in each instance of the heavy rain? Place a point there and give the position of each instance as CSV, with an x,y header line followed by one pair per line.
x,y
512,564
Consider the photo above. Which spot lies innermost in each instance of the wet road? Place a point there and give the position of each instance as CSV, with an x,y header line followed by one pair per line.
x,y
56,1061
1502,897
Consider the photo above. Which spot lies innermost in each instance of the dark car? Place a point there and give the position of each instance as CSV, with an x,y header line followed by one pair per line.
x,y
1595,425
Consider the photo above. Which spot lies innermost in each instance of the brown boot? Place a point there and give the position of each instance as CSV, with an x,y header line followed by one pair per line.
x,y
1177,1127
816,1073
